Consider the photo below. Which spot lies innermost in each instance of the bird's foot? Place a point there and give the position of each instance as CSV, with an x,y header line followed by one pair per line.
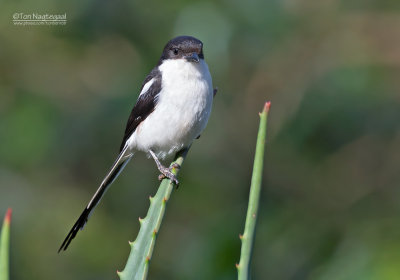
x,y
175,166
167,173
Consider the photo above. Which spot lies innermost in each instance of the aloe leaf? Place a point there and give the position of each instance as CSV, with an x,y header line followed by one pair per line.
x,y
247,238
5,247
142,248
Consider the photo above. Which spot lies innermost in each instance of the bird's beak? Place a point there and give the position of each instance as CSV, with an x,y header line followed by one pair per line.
x,y
194,57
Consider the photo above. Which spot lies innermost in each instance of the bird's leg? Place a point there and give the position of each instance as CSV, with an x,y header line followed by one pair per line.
x,y
165,172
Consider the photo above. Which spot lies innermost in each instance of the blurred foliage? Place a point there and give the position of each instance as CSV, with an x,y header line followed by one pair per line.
x,y
330,206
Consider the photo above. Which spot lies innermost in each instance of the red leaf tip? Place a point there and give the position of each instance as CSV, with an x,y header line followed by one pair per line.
x,y
267,106
7,218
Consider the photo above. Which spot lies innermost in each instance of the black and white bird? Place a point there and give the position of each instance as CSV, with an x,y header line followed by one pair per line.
x,y
171,111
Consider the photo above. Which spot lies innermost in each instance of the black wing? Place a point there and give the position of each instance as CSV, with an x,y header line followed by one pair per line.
x,y
145,104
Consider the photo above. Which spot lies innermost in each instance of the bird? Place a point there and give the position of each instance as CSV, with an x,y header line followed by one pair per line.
x,y
172,110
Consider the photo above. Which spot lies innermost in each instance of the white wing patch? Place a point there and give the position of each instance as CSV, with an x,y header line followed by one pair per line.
x,y
146,86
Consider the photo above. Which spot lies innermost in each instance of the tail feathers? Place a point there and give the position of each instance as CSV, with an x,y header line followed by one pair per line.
x,y
79,224
116,169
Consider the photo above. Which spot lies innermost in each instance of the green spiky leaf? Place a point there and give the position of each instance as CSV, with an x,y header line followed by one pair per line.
x,y
251,218
5,247
137,265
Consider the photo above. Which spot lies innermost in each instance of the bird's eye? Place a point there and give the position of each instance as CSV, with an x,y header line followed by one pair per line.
x,y
176,51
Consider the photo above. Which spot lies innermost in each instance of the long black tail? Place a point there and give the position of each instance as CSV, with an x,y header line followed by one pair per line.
x,y
115,170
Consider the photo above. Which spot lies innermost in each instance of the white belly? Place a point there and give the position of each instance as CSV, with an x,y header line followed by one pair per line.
x,y
182,111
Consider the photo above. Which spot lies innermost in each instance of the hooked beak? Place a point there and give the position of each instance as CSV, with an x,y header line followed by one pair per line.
x,y
194,57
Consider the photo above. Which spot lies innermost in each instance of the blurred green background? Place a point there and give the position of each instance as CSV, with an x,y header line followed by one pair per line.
x,y
330,206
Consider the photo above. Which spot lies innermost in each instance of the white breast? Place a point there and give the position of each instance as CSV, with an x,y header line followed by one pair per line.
x,y
182,112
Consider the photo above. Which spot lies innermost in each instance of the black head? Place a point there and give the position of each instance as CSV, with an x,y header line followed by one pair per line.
x,y
185,47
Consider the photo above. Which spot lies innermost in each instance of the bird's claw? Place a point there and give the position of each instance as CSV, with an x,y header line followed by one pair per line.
x,y
175,166
168,174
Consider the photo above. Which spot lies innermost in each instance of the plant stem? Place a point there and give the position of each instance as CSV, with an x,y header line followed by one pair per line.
x,y
5,246
252,211
142,248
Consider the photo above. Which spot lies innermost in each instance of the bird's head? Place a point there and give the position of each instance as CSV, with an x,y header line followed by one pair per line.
x,y
183,47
